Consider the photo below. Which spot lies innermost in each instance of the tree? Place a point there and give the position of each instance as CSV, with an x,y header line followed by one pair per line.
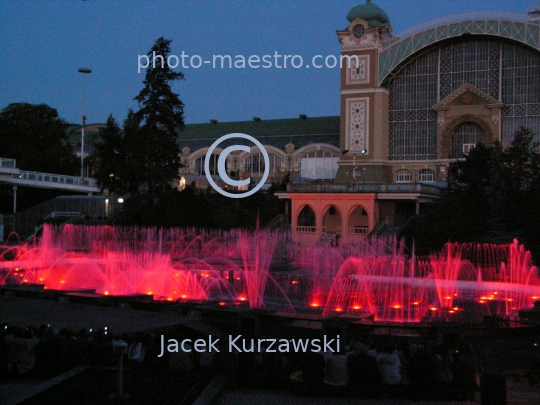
x,y
35,136
492,197
152,148
110,158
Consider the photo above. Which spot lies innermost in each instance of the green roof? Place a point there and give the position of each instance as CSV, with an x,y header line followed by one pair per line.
x,y
278,133
373,14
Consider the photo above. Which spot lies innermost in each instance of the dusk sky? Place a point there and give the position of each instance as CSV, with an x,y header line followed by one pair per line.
x,y
43,44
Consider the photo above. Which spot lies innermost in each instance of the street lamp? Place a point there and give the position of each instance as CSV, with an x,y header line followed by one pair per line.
x,y
84,71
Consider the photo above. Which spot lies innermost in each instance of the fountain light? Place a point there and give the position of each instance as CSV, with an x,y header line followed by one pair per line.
x,y
222,304
294,282
106,293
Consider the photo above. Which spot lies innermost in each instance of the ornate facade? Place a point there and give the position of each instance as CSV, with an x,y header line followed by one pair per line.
x,y
411,105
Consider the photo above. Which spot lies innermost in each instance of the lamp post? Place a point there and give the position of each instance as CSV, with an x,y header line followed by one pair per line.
x,y
84,71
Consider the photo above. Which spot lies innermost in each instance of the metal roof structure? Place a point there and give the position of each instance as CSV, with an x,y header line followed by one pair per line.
x,y
513,26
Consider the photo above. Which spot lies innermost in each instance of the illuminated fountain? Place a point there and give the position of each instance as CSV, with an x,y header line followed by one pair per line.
x,y
375,279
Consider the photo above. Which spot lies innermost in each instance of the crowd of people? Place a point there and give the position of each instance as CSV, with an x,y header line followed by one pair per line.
x,y
46,351
381,363
385,363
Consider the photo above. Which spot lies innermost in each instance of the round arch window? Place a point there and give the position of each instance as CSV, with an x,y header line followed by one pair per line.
x,y
358,31
465,137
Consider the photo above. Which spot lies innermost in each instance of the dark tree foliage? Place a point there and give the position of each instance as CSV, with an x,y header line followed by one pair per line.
x,y
152,145
35,136
197,208
109,158
143,158
493,196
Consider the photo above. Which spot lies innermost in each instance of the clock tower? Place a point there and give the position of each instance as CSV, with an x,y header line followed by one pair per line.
x,y
364,104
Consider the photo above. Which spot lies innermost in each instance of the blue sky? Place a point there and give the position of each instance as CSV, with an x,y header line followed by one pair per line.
x,y
43,44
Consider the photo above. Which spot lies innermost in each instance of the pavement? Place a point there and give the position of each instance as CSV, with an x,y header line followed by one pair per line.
x,y
35,312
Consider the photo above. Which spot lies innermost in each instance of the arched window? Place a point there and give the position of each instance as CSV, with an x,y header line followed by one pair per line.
x,y
255,163
465,137
358,221
199,165
318,154
505,70
426,175
306,220
403,176
318,164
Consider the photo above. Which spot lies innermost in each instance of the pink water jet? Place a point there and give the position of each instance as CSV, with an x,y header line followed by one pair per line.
x,y
375,279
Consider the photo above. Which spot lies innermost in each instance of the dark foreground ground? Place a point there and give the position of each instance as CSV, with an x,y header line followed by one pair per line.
x,y
510,352
93,387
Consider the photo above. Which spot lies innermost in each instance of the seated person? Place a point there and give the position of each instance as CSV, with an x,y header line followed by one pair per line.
x,y
336,370
362,367
389,365
313,368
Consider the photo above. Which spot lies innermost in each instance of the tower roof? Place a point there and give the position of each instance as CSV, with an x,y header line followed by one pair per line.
x,y
373,14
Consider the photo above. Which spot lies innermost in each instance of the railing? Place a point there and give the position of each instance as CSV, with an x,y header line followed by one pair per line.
x,y
365,188
306,229
8,163
358,230
55,178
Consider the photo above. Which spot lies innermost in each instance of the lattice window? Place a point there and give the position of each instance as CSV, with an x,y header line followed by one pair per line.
x,y
322,153
465,137
199,165
505,70
426,175
255,164
403,176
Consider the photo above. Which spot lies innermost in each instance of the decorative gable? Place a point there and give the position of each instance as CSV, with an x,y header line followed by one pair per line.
x,y
467,95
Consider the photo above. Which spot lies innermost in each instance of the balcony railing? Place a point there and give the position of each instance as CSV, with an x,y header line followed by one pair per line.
x,y
8,163
358,230
306,229
365,188
55,178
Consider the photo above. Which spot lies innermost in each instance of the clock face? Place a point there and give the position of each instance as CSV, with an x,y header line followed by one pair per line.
x,y
358,31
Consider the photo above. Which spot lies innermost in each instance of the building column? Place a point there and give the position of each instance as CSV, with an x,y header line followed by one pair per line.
x,y
14,199
417,207
319,220
345,222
